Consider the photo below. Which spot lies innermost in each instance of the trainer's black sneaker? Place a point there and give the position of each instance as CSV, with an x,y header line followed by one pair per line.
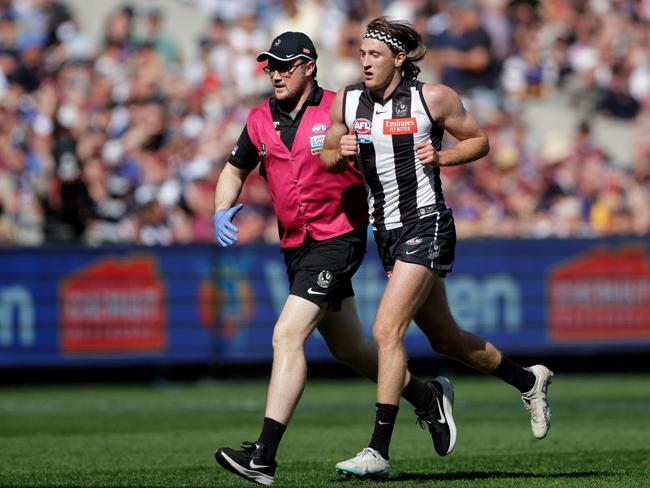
x,y
438,416
250,462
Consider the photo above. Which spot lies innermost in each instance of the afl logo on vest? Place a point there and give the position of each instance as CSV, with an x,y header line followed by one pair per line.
x,y
363,129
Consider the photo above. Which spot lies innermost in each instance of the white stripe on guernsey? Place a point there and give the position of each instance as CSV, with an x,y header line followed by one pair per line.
x,y
351,103
386,172
371,204
426,195
426,192
350,115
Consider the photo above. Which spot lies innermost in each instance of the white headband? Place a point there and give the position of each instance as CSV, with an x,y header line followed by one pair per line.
x,y
386,39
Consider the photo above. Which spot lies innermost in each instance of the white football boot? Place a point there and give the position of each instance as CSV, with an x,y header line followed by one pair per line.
x,y
536,403
366,464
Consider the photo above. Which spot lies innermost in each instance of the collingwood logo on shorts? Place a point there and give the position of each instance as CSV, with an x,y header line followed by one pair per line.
x,y
434,250
324,279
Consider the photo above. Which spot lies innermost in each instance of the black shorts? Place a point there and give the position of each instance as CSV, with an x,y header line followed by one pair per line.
x,y
321,271
429,241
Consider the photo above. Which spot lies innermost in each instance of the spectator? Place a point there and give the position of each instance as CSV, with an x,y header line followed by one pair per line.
x,y
616,100
154,34
529,72
464,51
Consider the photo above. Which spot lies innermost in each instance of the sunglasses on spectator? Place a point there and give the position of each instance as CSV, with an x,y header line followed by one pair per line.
x,y
284,71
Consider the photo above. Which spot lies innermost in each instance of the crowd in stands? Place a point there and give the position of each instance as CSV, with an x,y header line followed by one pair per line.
x,y
124,142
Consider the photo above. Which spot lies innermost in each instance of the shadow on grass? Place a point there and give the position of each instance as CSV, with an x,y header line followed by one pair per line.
x,y
480,475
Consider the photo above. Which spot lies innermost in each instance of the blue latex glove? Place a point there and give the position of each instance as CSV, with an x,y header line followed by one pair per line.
x,y
224,229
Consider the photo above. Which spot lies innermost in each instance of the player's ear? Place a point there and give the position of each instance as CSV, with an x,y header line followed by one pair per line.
x,y
399,59
311,68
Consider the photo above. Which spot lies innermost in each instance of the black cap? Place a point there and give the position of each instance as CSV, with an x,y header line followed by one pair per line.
x,y
289,46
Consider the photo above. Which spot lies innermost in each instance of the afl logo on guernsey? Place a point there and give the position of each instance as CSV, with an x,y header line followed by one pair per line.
x,y
363,129
318,128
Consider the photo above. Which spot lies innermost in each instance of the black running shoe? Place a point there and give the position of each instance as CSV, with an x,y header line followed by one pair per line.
x,y
249,462
438,416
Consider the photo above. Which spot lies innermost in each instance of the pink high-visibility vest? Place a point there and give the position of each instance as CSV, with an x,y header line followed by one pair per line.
x,y
305,196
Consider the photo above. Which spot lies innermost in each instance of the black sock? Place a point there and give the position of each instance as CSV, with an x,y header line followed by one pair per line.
x,y
271,435
417,393
384,423
516,375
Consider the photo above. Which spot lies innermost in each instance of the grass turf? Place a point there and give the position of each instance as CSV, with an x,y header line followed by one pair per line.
x,y
165,435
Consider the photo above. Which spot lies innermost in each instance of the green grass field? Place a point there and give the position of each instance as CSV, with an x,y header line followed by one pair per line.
x,y
165,435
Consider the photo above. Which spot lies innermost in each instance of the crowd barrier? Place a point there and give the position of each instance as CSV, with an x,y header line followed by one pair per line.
x,y
81,306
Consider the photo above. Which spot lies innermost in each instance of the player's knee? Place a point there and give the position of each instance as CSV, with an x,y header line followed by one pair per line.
x,y
387,335
276,342
283,338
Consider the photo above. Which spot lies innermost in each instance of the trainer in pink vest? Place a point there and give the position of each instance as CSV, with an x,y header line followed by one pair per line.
x,y
306,197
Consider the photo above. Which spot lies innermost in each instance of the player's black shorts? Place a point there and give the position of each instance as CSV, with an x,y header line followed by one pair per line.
x,y
321,271
429,241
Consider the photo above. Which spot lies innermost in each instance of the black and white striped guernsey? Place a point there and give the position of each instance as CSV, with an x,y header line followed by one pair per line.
x,y
400,189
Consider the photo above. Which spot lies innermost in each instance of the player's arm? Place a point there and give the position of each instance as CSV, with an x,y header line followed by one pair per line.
x,y
339,145
447,110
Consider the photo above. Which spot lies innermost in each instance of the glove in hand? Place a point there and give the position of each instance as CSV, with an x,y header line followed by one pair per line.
x,y
224,229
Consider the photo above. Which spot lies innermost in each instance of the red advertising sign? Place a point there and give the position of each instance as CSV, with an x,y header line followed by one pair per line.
x,y
113,305
602,295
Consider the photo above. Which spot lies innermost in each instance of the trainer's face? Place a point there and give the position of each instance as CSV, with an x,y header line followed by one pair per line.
x,y
379,64
290,79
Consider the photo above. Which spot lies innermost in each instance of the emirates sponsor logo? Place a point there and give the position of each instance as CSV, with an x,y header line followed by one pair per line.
x,y
394,127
